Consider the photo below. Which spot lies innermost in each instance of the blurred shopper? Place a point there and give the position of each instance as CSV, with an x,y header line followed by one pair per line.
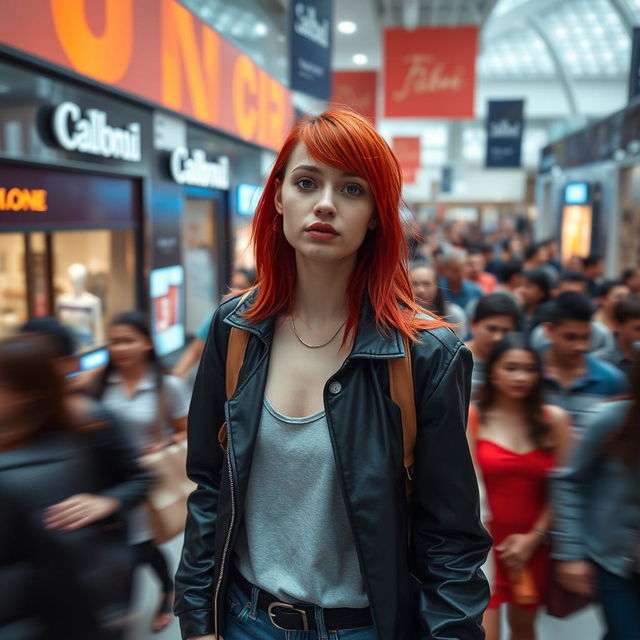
x,y
573,378
553,254
476,264
512,249
62,582
310,488
572,281
517,440
575,263
137,391
536,290
536,256
596,501
494,317
455,287
241,279
609,294
429,295
631,277
593,271
627,340
511,279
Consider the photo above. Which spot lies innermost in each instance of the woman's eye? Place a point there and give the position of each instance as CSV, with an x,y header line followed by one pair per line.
x,y
353,189
305,183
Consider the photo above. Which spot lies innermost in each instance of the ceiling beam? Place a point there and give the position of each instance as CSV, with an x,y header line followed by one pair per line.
x,y
517,17
624,13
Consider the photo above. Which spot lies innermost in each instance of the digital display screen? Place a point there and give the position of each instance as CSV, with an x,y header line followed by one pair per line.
x,y
576,193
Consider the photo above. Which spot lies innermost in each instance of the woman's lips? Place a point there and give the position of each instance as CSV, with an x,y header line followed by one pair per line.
x,y
320,231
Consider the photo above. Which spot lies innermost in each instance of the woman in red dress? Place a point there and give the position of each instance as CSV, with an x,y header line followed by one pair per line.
x,y
516,440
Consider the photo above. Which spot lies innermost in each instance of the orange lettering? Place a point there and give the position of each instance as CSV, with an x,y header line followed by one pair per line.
x,y
263,107
277,112
17,199
245,82
179,45
105,57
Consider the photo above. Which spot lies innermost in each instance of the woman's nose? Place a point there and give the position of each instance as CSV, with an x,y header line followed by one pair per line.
x,y
325,204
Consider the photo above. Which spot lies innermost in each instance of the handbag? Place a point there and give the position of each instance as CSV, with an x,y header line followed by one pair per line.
x,y
560,602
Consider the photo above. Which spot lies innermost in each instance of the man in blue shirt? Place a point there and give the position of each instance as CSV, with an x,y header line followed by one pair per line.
x,y
454,286
573,379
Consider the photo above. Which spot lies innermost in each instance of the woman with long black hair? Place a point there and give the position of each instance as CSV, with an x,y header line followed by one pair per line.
x,y
596,500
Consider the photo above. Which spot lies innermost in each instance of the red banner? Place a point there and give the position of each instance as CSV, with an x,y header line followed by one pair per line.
x,y
430,72
356,90
407,150
156,50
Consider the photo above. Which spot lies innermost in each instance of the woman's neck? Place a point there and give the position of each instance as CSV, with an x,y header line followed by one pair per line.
x,y
507,404
134,372
321,291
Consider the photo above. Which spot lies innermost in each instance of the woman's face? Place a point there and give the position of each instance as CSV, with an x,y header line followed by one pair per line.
x,y
326,212
127,346
531,293
424,285
515,373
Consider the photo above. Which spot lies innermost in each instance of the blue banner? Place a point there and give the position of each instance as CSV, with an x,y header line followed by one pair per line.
x,y
505,122
311,23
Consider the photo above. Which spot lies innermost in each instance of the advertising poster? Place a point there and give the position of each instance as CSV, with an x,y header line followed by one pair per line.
x,y
505,122
167,291
407,150
356,90
430,72
310,47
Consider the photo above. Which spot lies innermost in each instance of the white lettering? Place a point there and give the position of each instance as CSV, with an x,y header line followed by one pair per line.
x,y
504,129
197,171
308,26
94,136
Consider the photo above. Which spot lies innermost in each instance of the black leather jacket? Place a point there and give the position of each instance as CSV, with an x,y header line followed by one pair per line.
x,y
432,589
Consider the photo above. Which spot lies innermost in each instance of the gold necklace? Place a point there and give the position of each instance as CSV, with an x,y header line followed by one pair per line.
x,y
314,346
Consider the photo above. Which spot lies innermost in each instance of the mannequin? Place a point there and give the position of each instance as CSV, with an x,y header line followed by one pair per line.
x,y
81,310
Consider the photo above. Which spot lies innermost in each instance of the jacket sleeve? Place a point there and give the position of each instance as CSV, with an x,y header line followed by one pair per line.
x,y
194,579
448,543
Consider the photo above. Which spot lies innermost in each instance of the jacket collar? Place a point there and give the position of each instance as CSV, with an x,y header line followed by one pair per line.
x,y
370,342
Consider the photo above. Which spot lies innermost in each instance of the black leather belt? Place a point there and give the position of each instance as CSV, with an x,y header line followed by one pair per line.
x,y
302,617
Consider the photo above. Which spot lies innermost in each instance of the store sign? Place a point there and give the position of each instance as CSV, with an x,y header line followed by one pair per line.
x,y
17,199
193,169
356,90
407,150
505,122
430,72
93,135
159,51
310,54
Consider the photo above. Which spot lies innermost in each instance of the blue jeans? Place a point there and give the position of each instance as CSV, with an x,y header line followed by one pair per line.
x,y
620,600
244,621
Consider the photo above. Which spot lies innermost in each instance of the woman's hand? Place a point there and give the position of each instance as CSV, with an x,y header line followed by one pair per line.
x,y
79,511
516,549
576,577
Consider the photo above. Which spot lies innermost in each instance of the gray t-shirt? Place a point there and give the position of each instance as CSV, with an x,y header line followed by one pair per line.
x,y
295,541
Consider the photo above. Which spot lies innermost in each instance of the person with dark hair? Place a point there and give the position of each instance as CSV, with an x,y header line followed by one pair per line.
x,y
596,501
627,341
536,256
424,283
516,439
535,291
511,279
572,281
631,277
148,402
553,253
610,293
593,271
455,286
573,378
476,264
494,317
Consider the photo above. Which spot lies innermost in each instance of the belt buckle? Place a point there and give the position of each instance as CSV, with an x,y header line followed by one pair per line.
x,y
272,615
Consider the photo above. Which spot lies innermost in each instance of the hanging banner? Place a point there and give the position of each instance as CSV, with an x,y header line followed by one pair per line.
x,y
430,72
407,150
634,70
505,122
356,90
156,50
310,47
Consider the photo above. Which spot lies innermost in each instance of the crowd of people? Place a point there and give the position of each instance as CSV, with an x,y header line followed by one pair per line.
x,y
553,426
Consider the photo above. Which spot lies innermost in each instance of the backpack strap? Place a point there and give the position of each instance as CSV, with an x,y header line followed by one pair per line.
x,y
401,388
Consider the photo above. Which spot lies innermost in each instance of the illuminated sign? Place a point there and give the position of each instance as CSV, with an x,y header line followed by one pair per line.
x,y
93,135
576,193
195,170
16,199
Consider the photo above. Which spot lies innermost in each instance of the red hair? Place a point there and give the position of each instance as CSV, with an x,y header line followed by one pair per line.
x,y
345,140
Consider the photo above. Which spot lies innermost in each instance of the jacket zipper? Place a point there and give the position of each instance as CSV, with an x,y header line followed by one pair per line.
x,y
226,543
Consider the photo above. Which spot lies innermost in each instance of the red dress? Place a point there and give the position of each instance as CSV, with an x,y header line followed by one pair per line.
x,y
516,486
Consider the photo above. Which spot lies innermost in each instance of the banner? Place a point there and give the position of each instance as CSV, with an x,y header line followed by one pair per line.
x,y
310,47
156,50
634,70
505,121
430,72
407,150
356,90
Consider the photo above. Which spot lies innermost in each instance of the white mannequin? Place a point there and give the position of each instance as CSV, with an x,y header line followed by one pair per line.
x,y
81,310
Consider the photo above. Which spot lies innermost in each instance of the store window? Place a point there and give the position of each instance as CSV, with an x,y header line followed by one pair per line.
x,y
13,284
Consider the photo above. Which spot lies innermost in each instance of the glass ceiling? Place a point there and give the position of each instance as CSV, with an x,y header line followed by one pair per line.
x,y
589,37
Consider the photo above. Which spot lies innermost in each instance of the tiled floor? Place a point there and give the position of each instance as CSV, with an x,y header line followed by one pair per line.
x,y
583,626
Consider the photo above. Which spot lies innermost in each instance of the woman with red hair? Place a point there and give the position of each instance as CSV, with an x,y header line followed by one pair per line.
x,y
300,527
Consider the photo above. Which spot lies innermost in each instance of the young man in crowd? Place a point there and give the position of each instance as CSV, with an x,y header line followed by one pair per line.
x,y
611,292
574,379
476,272
455,287
593,270
495,315
627,340
537,257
